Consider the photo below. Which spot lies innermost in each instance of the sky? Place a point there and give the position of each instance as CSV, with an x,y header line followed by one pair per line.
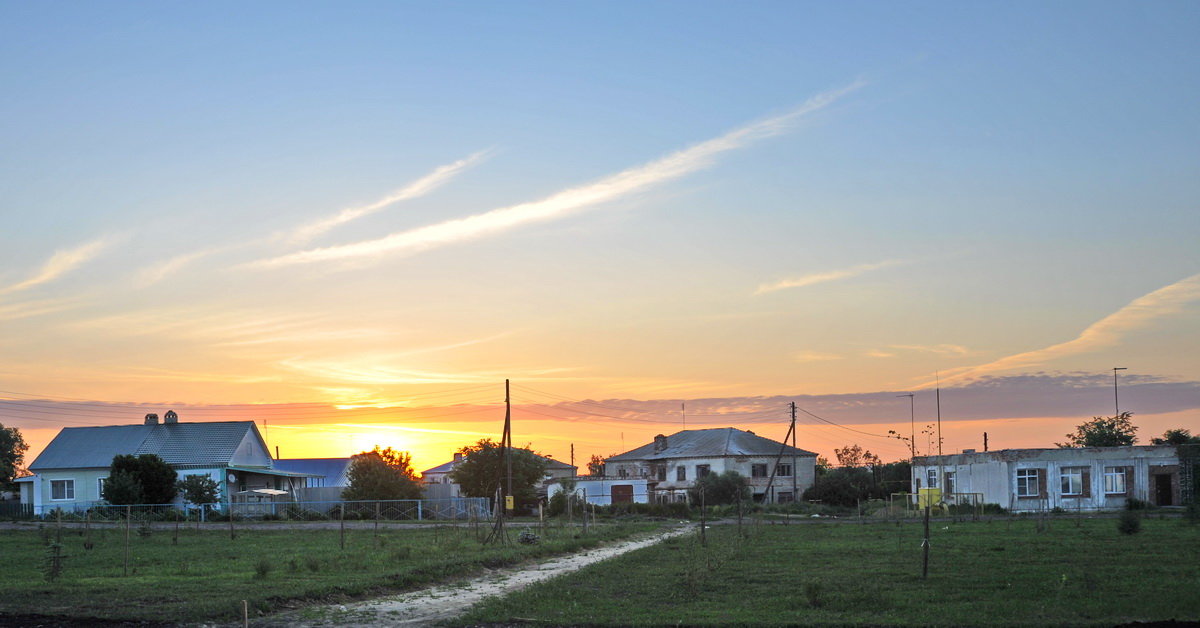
x,y
353,222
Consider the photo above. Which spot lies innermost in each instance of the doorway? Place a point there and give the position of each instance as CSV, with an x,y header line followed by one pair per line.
x,y
1163,490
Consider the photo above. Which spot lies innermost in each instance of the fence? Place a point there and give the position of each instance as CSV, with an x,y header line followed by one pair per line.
x,y
460,508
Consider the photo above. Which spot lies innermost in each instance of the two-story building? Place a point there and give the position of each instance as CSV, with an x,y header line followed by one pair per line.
x,y
671,464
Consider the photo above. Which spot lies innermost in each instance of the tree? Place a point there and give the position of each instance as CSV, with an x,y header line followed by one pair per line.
x,y
483,468
838,488
596,465
199,489
1113,431
12,454
855,456
724,488
144,479
1178,436
381,474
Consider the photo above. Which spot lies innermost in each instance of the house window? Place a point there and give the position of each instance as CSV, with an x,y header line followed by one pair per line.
x,y
1114,480
1072,481
1028,482
758,470
786,497
783,470
701,470
662,473
622,472
949,476
931,479
681,473
100,482
62,489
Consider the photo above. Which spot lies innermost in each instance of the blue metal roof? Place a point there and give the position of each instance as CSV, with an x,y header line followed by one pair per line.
x,y
200,444
332,469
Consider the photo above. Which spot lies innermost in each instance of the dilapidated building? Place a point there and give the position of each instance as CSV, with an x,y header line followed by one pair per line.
x,y
1083,478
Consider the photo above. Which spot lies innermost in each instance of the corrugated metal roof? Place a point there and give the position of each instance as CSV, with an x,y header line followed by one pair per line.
x,y
723,441
332,469
176,443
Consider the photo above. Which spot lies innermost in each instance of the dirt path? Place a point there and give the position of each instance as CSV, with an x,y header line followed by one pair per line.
x,y
427,606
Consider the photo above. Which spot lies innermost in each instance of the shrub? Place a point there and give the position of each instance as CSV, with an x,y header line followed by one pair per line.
x,y
262,568
1129,522
1136,504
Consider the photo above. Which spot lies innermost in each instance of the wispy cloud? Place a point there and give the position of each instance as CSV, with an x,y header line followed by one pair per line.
x,y
938,349
416,189
34,308
816,356
1106,332
563,203
304,233
61,263
823,277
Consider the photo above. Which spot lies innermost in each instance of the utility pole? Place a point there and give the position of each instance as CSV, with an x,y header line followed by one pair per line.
x,y
912,424
795,470
573,456
1116,401
782,446
504,489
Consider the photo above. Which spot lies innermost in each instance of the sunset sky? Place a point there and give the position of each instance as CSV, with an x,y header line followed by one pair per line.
x,y
351,222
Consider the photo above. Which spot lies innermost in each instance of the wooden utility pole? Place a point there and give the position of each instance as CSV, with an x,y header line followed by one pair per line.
x,y
795,469
504,488
925,546
782,447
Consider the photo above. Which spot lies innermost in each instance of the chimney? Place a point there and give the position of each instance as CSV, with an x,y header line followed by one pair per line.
x,y
151,419
170,417
660,443
458,456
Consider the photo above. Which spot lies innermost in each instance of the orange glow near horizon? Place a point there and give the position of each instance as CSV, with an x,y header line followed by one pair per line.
x,y
433,443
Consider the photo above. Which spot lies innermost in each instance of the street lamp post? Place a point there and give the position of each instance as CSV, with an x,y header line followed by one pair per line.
x,y
1116,400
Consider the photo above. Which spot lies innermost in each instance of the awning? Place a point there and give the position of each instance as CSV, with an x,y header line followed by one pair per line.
x,y
271,492
278,472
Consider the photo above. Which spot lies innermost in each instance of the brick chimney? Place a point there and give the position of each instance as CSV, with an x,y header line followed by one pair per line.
x,y
170,417
660,443
152,419
458,456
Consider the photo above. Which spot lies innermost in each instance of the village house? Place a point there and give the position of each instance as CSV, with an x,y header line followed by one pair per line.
x,y
1084,478
670,465
71,471
326,477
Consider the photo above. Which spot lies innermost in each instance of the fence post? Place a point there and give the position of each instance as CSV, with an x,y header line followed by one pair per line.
x,y
925,546
703,536
377,518
128,516
420,514
232,535
342,522
585,512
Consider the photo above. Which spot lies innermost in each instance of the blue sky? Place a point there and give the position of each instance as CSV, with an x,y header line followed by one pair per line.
x,y
946,186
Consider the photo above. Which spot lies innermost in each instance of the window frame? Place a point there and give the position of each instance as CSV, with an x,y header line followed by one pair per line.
x,y
783,470
703,470
1067,476
758,470
100,482
1116,472
65,483
681,473
949,480
1030,476
931,478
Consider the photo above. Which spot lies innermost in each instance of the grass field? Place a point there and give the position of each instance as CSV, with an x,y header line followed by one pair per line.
x,y
205,575
1002,572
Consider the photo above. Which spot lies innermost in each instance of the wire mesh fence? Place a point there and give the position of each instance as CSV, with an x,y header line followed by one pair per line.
x,y
452,509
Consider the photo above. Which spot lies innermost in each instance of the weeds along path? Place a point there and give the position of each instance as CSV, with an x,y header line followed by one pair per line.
x,y
439,603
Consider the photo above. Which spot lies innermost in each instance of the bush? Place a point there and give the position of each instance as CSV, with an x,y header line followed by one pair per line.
x,y
1130,522
1136,504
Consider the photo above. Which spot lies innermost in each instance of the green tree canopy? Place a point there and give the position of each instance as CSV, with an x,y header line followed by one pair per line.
x,y
144,479
199,489
12,454
483,467
723,488
381,474
1178,436
1113,431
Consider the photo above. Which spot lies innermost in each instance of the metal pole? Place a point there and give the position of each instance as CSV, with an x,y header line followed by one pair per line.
x,y
1116,400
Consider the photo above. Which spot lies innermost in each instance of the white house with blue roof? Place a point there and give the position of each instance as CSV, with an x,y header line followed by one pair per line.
x,y
71,471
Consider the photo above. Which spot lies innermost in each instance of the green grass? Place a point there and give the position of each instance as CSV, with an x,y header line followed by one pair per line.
x,y
205,576
1001,572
